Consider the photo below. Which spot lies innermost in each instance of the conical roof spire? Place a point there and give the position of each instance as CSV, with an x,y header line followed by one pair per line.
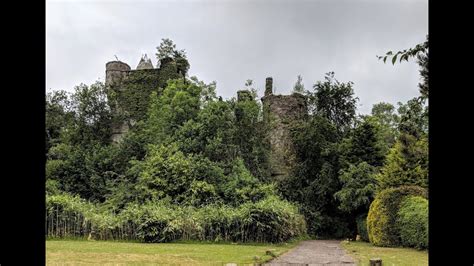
x,y
145,63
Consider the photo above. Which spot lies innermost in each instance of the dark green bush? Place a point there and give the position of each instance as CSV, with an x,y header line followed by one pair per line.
x,y
362,227
413,222
382,217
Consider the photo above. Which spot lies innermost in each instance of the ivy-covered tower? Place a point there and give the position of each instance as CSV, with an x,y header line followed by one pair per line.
x,y
129,90
278,112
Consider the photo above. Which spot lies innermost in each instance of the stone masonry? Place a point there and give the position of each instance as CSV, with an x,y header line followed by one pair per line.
x,y
279,111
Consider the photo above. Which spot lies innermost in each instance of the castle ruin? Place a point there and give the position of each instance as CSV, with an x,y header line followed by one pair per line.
x,y
278,110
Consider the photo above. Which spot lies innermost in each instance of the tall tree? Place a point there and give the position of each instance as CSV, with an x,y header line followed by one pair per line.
x,y
413,118
166,49
358,188
365,144
406,163
315,177
384,115
58,114
335,101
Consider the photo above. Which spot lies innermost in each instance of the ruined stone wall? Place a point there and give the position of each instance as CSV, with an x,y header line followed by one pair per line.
x,y
279,112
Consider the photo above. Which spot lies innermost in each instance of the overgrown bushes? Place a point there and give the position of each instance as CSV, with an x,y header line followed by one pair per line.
x,y
413,222
73,217
268,220
382,217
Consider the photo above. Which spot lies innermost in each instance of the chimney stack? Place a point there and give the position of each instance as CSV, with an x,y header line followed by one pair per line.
x,y
268,86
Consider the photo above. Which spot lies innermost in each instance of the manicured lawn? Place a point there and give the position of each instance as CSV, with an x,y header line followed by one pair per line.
x,y
363,252
123,253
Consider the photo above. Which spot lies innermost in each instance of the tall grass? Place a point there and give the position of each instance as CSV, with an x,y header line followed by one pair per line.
x,y
268,220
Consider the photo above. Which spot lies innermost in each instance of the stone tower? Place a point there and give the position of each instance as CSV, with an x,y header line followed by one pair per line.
x,y
115,73
279,111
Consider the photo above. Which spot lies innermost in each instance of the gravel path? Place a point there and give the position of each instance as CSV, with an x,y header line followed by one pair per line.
x,y
315,252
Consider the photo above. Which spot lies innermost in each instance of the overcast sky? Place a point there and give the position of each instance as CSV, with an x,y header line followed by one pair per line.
x,y
232,41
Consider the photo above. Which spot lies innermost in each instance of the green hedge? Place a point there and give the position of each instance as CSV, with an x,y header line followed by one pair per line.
x,y
267,220
413,222
383,212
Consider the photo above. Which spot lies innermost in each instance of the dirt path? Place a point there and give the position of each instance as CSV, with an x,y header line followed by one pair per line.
x,y
315,252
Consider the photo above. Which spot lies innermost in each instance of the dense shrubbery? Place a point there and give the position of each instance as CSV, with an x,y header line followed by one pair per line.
x,y
382,218
267,220
413,222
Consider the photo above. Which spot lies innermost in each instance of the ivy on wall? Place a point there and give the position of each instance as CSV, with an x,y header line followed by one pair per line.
x,y
131,99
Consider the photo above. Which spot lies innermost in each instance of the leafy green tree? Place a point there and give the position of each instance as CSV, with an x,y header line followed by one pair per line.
x,y
413,118
317,141
79,159
179,103
59,113
92,116
361,153
81,118
335,101
168,172
365,144
384,115
358,188
166,49
315,178
211,133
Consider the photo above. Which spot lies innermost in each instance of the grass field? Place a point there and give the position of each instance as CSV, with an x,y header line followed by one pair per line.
x,y
64,252
363,252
